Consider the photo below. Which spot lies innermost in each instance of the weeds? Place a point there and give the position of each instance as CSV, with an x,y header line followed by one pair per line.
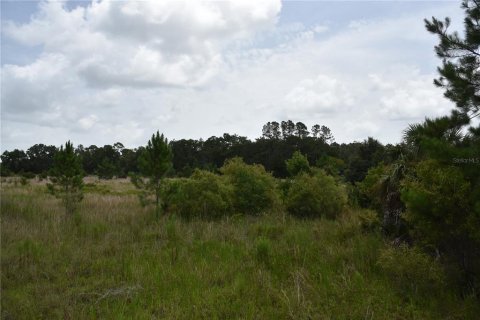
x,y
115,260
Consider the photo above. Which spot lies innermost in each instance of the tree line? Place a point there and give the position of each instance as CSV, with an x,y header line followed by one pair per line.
x,y
276,145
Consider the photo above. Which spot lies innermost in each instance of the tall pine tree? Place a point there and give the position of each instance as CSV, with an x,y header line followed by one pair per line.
x,y
459,73
442,190
66,177
154,164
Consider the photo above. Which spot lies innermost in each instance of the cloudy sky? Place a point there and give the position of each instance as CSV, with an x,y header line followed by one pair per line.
x,y
106,71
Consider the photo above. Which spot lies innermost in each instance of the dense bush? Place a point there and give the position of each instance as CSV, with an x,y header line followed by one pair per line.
x,y
5,171
106,169
411,270
297,164
332,166
254,189
369,221
28,175
444,212
369,189
204,195
315,196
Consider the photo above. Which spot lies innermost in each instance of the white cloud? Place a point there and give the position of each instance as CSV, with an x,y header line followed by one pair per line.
x,y
88,122
145,43
31,92
118,71
321,95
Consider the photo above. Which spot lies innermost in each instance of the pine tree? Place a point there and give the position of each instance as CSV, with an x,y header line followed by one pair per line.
x,y
267,131
154,164
442,191
301,130
326,134
459,73
288,128
316,131
66,177
276,133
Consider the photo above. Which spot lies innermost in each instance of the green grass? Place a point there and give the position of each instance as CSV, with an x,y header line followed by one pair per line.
x,y
114,260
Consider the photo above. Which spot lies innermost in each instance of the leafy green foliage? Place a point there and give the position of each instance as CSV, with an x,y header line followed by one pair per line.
x,y
297,164
438,194
254,189
66,178
40,158
28,175
288,129
301,130
106,169
459,74
443,209
361,156
14,161
332,165
271,130
370,188
315,196
271,151
441,191
204,195
323,133
156,160
5,171
24,181
154,164
411,270
369,221
381,191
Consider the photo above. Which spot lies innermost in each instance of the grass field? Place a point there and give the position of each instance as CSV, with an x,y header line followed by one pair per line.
x,y
115,260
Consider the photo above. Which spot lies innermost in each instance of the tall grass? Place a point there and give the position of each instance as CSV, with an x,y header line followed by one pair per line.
x,y
115,260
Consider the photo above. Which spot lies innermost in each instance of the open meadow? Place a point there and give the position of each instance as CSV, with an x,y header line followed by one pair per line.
x,y
114,259
240,159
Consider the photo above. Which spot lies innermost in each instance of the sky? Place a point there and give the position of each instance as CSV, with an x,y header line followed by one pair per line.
x,y
98,72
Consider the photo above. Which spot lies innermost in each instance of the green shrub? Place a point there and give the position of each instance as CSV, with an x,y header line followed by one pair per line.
x,y
369,189
411,270
204,195
353,195
444,212
333,166
254,188
42,176
369,221
297,164
5,171
24,181
437,200
315,196
28,175
106,169
283,185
